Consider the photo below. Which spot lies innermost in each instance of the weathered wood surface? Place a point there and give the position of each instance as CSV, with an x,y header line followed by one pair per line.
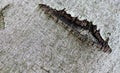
x,y
33,43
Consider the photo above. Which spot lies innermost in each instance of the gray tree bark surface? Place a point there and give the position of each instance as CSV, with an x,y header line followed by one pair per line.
x,y
33,43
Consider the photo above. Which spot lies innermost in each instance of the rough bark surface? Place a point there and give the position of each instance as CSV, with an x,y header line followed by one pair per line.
x,y
32,43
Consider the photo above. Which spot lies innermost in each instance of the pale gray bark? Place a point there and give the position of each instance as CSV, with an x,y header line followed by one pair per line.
x,y
33,43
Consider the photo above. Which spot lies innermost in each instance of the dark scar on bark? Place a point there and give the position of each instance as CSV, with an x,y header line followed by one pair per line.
x,y
2,23
75,23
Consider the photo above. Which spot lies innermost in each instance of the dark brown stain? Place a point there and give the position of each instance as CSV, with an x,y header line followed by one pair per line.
x,y
75,23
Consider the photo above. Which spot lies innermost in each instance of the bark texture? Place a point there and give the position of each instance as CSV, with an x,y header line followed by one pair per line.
x,y
33,43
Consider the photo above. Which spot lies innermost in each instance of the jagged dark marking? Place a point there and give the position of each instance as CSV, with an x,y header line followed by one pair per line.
x,y
76,24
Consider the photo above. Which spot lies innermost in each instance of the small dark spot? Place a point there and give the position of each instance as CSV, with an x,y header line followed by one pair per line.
x,y
109,33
